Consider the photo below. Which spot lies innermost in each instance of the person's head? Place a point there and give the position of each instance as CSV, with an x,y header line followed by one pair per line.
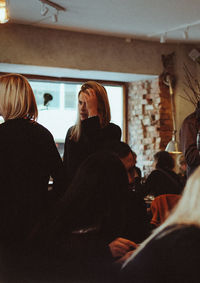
x,y
181,162
47,97
102,98
134,156
103,107
127,156
163,160
98,191
16,98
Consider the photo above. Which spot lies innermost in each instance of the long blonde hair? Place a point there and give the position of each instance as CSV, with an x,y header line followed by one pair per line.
x,y
103,108
16,98
186,212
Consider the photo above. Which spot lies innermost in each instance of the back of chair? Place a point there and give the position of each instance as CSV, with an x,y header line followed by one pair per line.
x,y
161,206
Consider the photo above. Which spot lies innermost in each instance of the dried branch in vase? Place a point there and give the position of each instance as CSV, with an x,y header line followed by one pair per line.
x,y
192,87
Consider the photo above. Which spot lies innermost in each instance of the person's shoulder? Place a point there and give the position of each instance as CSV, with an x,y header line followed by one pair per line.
x,y
2,126
177,232
24,125
155,173
69,131
39,130
115,130
114,126
37,126
172,173
4,131
190,118
156,177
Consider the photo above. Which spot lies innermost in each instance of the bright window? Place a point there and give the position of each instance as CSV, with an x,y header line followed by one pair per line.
x,y
60,113
57,106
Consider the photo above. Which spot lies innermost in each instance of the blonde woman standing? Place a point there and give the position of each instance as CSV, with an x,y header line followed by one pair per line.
x,y
92,130
28,157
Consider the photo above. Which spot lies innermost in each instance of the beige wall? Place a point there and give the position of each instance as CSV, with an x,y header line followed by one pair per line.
x,y
23,44
183,107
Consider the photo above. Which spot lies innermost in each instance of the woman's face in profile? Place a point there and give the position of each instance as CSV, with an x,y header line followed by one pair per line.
x,y
154,163
82,107
1,112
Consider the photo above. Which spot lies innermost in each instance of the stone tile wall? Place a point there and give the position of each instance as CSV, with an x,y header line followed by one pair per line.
x,y
149,120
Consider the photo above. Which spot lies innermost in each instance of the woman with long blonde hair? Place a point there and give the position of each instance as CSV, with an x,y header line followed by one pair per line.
x,y
92,130
28,158
172,252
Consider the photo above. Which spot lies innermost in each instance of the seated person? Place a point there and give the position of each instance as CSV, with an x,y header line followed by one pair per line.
x,y
172,253
138,220
163,180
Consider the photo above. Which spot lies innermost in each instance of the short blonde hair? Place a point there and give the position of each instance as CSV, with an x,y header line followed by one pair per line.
x,y
103,107
16,98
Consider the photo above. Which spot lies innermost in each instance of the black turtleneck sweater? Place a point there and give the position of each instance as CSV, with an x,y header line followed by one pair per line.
x,y
93,138
28,157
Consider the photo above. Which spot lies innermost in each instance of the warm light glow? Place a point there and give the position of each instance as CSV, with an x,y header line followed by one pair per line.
x,y
3,12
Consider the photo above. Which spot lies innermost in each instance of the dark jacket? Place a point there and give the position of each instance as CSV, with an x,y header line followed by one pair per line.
x,y
172,257
188,142
93,138
161,182
28,157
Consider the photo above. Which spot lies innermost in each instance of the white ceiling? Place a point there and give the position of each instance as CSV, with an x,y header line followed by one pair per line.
x,y
141,19
131,19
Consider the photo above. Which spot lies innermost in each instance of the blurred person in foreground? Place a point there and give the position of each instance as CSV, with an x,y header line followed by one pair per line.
x,y
172,252
86,233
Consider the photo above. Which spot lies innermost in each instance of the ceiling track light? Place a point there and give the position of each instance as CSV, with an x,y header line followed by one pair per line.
x,y
163,37
54,18
185,33
182,28
44,9
3,12
47,5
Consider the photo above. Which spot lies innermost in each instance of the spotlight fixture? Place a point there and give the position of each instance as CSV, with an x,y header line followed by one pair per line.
x,y
185,33
163,37
44,9
3,12
172,146
54,18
